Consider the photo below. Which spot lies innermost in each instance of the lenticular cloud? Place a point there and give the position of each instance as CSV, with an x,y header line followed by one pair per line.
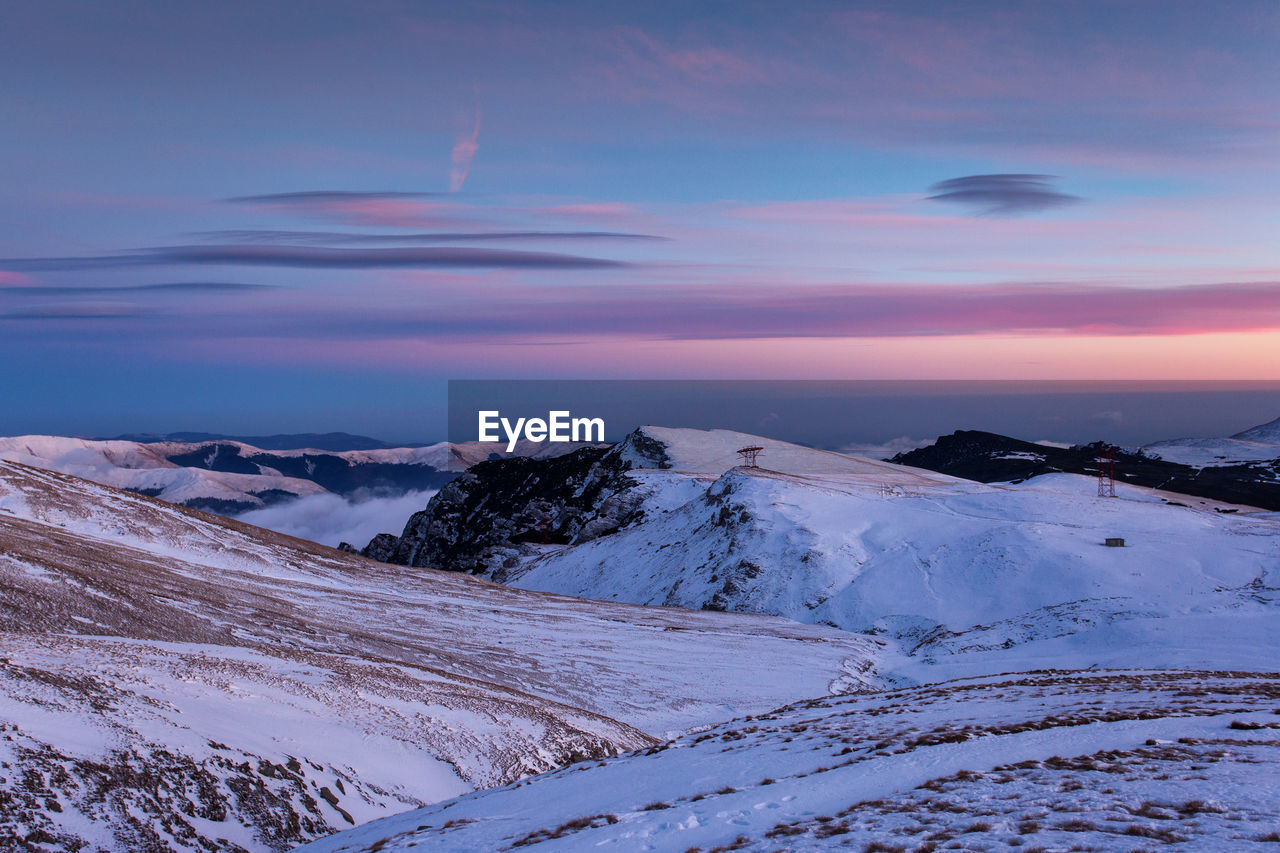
x,y
1002,195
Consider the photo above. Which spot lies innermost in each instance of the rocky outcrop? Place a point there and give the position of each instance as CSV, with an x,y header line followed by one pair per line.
x,y
486,520
381,547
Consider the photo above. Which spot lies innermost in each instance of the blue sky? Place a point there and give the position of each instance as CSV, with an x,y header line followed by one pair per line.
x,y
348,204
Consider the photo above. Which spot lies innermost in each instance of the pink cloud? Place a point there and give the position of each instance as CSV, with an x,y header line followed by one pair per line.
x,y
394,213
387,212
610,210
876,311
16,279
1205,356
606,208
464,150
439,311
644,56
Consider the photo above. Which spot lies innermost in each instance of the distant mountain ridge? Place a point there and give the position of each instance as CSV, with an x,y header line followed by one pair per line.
x,y
230,477
331,441
1216,469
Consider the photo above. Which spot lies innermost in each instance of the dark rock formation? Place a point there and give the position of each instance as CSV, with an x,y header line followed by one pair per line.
x,y
485,519
381,547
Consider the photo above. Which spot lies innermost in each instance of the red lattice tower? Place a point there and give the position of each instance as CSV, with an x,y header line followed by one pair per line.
x,y
1106,471
749,455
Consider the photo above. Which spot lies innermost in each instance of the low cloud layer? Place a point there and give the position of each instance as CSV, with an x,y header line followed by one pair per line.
x,y
330,519
1002,194
886,449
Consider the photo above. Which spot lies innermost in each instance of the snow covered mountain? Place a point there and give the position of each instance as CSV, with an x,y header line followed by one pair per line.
x,y
232,477
171,680
1261,444
229,477
336,441
944,565
1047,692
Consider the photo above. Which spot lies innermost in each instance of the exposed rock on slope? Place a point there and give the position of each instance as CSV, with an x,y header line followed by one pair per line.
x,y
479,522
494,518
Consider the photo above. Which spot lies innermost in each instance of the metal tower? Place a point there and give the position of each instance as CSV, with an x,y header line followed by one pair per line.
x,y
1106,471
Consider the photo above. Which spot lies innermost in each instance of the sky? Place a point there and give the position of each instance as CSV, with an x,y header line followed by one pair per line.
x,y
285,217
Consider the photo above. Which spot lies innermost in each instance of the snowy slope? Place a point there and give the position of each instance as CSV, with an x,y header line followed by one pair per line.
x,y
1115,761
713,452
169,679
1259,444
945,564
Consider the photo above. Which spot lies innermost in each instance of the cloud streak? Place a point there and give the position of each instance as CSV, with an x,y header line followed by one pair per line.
x,y
464,151
1002,194
162,287
322,197
833,311
312,257
535,313
15,280
76,311
343,238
